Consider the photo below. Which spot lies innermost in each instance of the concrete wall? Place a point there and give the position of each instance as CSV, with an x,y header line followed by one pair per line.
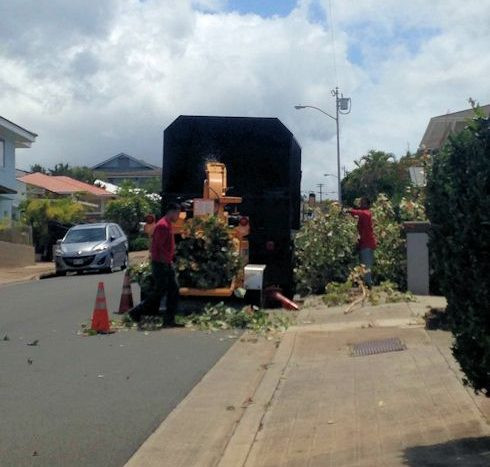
x,y
15,254
7,176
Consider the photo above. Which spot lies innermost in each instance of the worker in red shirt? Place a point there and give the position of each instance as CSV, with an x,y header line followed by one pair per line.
x,y
367,239
163,272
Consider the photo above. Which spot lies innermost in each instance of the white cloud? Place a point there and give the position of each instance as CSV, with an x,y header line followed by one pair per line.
x,y
97,78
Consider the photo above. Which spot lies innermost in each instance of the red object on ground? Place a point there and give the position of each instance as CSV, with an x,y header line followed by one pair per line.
x,y
276,295
126,302
100,316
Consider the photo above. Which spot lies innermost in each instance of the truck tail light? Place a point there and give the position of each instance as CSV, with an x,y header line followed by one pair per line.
x,y
270,246
244,221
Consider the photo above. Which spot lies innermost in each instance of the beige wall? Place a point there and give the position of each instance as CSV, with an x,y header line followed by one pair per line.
x,y
15,254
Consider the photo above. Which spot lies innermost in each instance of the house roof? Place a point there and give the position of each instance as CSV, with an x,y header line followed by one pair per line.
x,y
134,173
23,138
62,185
4,190
142,163
440,127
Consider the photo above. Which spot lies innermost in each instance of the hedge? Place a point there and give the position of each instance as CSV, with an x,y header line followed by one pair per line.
x,y
458,206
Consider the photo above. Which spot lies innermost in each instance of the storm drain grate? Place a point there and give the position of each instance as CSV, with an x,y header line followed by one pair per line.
x,y
393,344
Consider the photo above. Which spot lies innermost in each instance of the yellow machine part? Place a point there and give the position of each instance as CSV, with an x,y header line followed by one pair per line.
x,y
215,188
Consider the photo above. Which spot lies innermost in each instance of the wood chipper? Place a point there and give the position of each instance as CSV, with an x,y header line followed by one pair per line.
x,y
215,202
261,160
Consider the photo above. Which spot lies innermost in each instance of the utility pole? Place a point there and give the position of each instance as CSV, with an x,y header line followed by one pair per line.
x,y
320,186
342,106
337,108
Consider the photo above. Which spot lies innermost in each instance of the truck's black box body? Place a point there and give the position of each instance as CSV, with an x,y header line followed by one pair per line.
x,y
263,162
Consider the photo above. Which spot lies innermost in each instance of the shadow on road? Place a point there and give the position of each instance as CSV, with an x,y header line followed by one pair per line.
x,y
467,452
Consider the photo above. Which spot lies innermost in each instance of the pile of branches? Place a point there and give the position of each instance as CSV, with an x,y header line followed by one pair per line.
x,y
354,292
207,256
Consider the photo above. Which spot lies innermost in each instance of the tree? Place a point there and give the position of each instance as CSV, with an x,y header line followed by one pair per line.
x,y
82,173
130,208
38,168
376,172
38,212
458,206
390,256
60,169
153,185
324,250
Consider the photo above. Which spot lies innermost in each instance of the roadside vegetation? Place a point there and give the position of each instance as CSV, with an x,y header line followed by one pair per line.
x,y
130,208
458,206
38,213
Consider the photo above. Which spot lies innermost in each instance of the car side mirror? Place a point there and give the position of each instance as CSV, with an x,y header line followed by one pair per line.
x,y
112,238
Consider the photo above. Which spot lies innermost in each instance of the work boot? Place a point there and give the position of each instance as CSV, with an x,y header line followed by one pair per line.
x,y
135,314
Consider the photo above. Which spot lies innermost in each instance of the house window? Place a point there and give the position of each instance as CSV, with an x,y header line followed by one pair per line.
x,y
2,153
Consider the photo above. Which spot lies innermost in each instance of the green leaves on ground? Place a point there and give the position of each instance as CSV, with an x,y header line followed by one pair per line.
x,y
347,292
221,316
206,256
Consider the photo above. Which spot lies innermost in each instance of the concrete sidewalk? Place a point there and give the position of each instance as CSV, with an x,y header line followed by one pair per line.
x,y
35,271
310,403
25,273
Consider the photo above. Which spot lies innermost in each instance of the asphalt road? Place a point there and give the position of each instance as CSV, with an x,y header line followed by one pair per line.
x,y
87,401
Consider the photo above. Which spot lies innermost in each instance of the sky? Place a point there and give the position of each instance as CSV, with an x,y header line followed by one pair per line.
x,y
95,78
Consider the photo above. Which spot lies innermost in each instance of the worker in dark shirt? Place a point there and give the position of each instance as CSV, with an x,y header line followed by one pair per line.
x,y
367,239
163,272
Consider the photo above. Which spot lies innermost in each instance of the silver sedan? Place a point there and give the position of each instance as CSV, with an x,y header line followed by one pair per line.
x,y
89,247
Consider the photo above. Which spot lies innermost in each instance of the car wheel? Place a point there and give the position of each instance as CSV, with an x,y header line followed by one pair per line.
x,y
125,262
110,268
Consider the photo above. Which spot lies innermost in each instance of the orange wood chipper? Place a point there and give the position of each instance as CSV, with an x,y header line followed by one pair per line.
x,y
214,202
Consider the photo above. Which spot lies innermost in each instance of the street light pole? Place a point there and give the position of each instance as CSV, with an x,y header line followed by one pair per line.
x,y
339,181
342,106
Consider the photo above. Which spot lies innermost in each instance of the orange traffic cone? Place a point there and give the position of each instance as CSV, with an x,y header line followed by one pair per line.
x,y
274,294
126,302
100,317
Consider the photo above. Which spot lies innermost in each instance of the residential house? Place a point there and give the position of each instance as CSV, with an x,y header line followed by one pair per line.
x,y
123,167
442,126
94,198
12,137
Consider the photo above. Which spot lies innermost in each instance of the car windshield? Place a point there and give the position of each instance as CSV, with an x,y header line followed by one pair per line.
x,y
96,234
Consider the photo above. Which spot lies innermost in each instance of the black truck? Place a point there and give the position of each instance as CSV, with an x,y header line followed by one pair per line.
x,y
263,161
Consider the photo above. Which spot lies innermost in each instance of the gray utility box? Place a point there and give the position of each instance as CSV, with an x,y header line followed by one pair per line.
x,y
254,276
417,257
254,284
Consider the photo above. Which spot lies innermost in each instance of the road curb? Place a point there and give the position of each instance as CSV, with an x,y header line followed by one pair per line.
x,y
198,431
241,442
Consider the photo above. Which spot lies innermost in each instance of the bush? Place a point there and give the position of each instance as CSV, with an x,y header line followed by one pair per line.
x,y
139,244
207,256
131,207
325,250
37,213
390,255
458,206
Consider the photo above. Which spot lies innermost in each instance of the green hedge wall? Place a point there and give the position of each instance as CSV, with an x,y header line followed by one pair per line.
x,y
458,206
